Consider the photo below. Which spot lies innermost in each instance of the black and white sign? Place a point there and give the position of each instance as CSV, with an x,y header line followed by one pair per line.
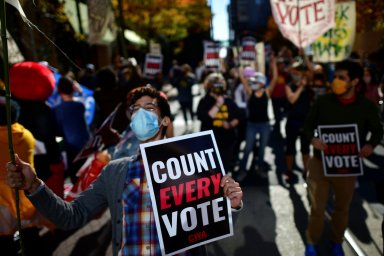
x,y
211,56
153,64
184,175
341,158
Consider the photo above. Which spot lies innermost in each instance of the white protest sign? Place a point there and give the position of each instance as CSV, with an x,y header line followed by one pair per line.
x,y
183,175
303,21
101,20
341,158
337,43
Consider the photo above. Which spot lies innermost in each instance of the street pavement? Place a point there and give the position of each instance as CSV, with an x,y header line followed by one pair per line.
x,y
274,217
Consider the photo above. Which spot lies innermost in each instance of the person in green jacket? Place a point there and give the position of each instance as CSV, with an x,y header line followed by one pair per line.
x,y
344,106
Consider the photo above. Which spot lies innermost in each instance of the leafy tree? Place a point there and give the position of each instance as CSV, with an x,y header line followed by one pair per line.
x,y
370,15
170,19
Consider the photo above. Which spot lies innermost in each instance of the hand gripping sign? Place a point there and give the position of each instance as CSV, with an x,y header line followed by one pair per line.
x,y
341,158
183,175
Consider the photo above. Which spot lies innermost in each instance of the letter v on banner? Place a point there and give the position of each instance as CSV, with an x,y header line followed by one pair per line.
x,y
302,22
16,4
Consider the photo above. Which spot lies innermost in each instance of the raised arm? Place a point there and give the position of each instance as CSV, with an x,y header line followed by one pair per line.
x,y
293,96
306,60
273,68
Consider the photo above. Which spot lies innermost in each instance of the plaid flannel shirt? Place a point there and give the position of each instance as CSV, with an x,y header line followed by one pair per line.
x,y
139,228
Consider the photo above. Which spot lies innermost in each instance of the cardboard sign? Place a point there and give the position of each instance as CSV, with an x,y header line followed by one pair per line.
x,y
184,175
101,19
302,22
153,64
341,158
211,56
337,43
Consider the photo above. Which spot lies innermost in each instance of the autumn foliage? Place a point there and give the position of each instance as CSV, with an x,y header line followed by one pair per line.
x,y
172,19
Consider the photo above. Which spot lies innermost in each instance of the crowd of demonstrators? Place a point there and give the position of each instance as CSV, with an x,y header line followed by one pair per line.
x,y
116,184
303,89
258,121
234,105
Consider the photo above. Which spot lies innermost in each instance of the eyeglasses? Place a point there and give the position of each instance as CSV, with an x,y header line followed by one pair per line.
x,y
151,107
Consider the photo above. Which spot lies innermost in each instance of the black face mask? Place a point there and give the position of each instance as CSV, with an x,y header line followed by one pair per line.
x,y
218,89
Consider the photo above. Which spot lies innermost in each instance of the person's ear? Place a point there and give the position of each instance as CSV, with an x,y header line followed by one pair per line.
x,y
165,121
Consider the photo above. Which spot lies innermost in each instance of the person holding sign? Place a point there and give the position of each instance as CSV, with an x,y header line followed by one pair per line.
x,y
340,109
122,186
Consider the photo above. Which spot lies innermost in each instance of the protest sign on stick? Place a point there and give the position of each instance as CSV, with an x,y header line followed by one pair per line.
x,y
341,157
183,175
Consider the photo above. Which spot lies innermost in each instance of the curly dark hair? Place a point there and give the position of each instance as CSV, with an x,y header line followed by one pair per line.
x,y
150,91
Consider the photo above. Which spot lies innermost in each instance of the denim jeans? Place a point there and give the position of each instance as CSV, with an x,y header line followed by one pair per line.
x,y
263,129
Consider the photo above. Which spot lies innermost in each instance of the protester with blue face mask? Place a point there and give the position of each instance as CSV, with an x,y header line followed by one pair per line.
x,y
122,186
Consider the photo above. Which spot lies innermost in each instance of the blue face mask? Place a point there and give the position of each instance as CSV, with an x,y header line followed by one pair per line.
x,y
255,86
144,124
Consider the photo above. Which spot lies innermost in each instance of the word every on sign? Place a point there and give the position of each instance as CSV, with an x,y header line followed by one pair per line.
x,y
187,192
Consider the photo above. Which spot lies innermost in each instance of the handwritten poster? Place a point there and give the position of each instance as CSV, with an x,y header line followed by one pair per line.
x,y
336,44
302,22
